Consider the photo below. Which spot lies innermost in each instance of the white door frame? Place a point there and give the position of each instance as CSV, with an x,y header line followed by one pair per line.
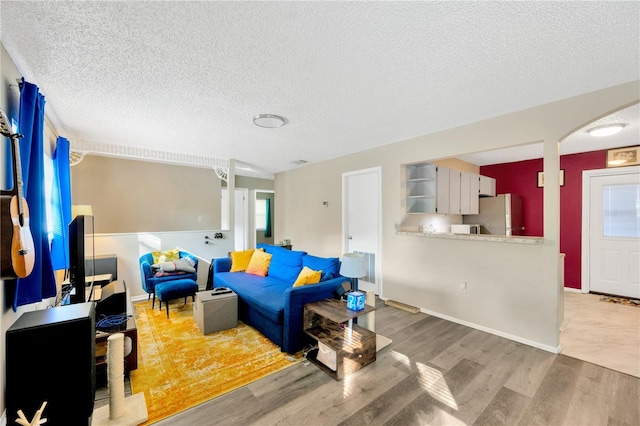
x,y
378,171
586,203
245,215
232,223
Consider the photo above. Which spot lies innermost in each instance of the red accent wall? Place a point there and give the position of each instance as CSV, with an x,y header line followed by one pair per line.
x,y
521,178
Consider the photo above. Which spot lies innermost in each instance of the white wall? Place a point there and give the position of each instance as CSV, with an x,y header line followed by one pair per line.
x,y
130,246
513,289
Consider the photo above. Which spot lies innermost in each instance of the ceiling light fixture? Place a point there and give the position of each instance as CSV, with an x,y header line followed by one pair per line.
x,y
606,130
269,121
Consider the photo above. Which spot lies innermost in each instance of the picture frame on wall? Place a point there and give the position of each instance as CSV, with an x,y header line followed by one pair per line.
x,y
541,178
622,157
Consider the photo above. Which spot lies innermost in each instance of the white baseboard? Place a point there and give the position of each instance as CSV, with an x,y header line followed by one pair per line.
x,y
552,349
555,350
139,298
572,290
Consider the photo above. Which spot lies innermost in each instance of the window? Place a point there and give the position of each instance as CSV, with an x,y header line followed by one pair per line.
x,y
48,189
261,215
621,211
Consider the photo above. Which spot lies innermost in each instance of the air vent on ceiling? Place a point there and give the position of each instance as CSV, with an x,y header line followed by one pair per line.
x,y
298,162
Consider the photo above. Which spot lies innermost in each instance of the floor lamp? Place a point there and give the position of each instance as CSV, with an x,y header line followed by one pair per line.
x,y
353,267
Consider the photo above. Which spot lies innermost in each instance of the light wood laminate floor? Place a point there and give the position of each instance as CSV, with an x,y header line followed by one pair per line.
x,y
435,372
604,333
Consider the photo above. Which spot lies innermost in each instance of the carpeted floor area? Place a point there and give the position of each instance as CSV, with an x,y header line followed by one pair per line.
x,y
179,367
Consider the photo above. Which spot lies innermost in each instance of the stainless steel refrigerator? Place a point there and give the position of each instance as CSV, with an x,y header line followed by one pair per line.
x,y
499,215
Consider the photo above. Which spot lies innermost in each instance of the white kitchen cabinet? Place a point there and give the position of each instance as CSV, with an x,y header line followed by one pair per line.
x,y
421,187
454,192
469,189
437,189
443,202
427,188
487,186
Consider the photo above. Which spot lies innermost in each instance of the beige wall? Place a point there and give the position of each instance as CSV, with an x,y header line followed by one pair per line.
x,y
136,196
459,165
512,289
252,183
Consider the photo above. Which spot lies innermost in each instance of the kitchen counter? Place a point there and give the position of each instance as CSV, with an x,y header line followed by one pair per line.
x,y
516,239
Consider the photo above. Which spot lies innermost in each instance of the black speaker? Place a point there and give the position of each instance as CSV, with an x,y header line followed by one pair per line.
x,y
50,356
113,300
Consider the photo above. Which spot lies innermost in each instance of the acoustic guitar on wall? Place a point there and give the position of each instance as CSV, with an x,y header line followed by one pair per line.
x,y
18,258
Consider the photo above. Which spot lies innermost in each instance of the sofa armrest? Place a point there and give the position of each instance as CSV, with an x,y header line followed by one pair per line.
x,y
295,299
145,268
222,264
146,274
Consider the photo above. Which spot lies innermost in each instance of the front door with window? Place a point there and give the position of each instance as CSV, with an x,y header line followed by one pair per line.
x,y
613,231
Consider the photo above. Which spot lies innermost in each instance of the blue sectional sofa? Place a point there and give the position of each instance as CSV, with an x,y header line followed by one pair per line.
x,y
271,304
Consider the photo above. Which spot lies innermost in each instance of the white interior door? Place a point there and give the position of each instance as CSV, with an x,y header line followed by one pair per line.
x,y
613,220
362,214
241,217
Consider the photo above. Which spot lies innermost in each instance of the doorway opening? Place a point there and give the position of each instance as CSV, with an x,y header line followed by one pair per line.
x,y
362,222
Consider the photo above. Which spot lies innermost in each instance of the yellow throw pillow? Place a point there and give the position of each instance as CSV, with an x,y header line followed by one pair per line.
x,y
165,256
307,276
240,260
259,264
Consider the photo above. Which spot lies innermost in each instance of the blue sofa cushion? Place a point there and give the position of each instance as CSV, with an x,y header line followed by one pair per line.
x,y
285,264
325,264
265,294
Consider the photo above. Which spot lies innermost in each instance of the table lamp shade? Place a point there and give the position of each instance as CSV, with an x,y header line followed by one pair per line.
x,y
353,266
81,210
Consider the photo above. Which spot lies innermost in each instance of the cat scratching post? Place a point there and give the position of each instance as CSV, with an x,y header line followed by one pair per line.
x,y
121,411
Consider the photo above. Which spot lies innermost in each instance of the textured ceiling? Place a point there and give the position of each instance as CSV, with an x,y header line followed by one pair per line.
x,y
348,76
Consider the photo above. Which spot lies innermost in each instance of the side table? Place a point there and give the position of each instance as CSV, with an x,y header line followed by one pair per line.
x,y
345,345
215,312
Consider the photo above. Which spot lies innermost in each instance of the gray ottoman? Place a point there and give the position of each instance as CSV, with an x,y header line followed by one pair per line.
x,y
215,312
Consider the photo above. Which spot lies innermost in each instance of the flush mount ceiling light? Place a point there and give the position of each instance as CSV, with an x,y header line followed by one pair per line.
x,y
270,121
606,130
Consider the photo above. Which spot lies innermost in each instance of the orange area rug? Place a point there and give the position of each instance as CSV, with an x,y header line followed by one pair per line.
x,y
179,367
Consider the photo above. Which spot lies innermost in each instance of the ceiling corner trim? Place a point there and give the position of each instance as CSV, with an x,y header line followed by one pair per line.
x,y
148,154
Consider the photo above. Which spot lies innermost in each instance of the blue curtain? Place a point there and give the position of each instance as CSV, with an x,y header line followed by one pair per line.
x,y
61,205
267,227
41,282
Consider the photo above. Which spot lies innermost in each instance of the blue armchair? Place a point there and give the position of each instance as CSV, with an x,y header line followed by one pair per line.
x,y
149,281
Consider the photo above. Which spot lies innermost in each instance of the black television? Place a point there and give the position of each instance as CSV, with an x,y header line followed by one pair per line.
x,y
81,253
